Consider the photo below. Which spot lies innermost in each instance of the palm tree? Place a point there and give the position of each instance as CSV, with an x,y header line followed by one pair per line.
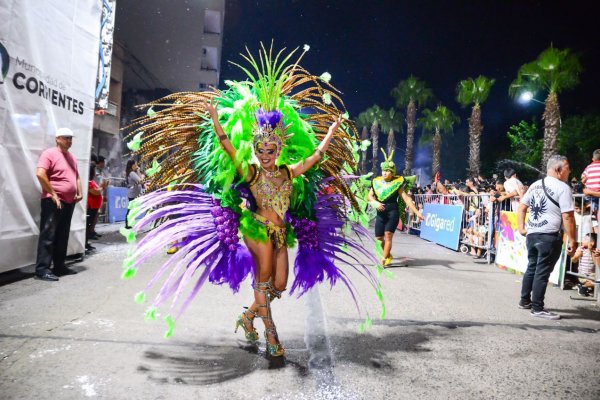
x,y
375,115
435,123
363,122
411,93
392,122
475,92
553,71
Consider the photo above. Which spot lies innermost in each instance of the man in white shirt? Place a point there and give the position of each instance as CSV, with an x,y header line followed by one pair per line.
x,y
550,206
513,187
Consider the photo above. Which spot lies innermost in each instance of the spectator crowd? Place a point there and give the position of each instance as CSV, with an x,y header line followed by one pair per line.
x,y
483,200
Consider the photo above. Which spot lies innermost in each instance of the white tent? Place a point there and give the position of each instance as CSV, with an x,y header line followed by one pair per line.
x,y
48,71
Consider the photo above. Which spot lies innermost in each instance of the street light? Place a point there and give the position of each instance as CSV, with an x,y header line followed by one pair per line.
x,y
527,96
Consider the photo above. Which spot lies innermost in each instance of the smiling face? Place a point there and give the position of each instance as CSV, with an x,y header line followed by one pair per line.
x,y
266,154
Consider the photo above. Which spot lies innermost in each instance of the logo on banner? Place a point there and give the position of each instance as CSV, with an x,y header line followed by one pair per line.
x,y
439,223
117,203
31,79
442,224
4,62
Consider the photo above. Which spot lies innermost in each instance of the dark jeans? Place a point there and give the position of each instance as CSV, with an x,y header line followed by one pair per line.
x,y
543,251
127,214
92,214
55,226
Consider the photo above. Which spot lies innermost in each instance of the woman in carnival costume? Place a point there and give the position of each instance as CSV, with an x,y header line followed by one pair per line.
x,y
388,195
269,160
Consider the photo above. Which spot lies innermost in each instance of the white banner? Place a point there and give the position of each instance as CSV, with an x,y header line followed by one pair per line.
x,y
49,59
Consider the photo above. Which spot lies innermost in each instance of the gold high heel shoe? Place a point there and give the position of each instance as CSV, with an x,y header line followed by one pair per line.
x,y
266,288
251,335
275,350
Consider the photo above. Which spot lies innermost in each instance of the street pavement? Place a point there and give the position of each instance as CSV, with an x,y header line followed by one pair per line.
x,y
453,331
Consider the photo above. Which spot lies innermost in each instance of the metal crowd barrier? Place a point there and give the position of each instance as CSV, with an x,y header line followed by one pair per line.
x,y
480,222
114,181
481,215
586,222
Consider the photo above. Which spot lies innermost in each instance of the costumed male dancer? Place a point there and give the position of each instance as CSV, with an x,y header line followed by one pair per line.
x,y
261,154
388,196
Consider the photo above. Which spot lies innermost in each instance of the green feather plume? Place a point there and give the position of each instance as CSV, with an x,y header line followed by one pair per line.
x,y
140,297
170,326
151,314
252,228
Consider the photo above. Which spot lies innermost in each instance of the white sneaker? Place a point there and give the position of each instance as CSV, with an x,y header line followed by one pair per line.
x,y
545,314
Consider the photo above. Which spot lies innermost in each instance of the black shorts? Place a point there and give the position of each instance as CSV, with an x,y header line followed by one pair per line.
x,y
387,220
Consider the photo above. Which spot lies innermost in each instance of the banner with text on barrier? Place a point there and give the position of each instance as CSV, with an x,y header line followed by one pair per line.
x,y
442,224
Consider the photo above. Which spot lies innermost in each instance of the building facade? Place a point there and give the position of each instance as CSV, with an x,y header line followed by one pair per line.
x,y
160,48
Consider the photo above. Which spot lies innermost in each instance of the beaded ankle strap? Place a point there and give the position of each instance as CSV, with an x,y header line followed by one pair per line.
x,y
263,287
276,294
248,310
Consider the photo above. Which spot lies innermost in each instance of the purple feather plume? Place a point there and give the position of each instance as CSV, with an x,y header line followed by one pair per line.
x,y
233,268
206,235
268,117
321,243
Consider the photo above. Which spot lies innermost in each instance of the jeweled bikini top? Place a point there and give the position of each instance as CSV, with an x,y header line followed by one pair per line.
x,y
268,193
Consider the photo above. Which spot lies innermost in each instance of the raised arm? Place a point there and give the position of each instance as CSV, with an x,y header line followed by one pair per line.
x,y
441,189
224,139
303,166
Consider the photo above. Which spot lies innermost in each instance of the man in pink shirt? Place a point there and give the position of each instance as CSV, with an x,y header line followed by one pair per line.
x,y
591,179
61,189
591,176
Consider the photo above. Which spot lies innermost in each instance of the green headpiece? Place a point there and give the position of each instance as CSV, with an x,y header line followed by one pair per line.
x,y
388,164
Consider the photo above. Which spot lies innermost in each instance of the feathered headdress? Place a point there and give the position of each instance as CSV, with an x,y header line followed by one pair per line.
x,y
269,129
280,102
267,78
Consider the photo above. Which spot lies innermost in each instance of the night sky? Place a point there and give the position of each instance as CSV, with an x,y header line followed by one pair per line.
x,y
369,46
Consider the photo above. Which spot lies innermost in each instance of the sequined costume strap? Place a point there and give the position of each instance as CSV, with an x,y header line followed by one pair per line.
x,y
256,175
277,234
